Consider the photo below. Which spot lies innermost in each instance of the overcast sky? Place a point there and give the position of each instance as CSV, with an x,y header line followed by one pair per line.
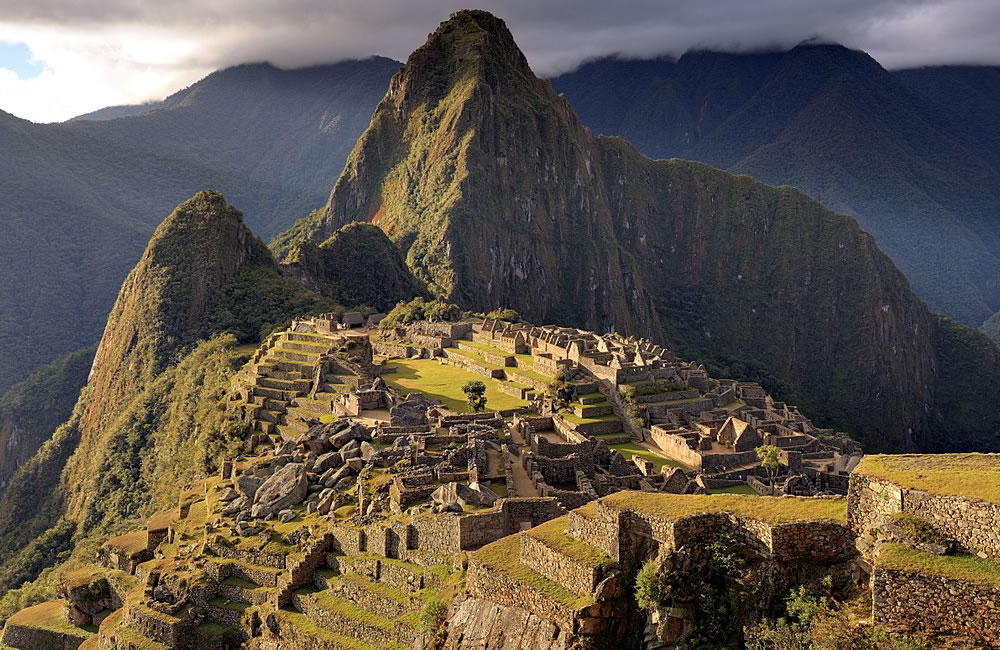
x,y
60,58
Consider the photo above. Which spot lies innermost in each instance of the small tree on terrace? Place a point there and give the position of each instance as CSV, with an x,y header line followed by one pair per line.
x,y
475,395
769,460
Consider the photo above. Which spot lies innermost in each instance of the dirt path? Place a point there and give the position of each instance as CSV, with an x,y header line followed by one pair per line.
x,y
523,487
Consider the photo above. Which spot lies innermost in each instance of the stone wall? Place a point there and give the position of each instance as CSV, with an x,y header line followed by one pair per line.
x,y
557,567
483,582
19,636
675,447
904,600
973,523
474,624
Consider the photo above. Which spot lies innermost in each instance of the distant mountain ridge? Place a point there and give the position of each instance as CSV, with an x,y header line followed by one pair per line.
x,y
80,199
498,195
922,176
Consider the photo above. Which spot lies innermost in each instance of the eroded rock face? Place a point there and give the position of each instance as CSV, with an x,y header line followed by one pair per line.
x,y
480,624
285,488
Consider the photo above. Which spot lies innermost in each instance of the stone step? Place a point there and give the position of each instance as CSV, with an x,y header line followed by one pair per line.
x,y
371,595
242,590
315,407
255,574
275,393
548,550
268,415
157,626
304,369
248,557
592,398
343,617
294,355
288,385
267,428
404,576
305,346
297,631
592,410
275,404
268,371
292,429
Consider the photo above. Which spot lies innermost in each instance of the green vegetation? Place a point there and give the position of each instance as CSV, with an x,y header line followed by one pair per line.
x,y
504,314
629,449
475,395
553,534
774,510
358,265
969,475
444,382
770,460
432,615
647,586
918,529
503,556
965,567
48,616
35,407
815,620
420,309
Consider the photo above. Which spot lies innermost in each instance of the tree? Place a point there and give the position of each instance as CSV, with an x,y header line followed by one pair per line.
x,y
475,395
769,459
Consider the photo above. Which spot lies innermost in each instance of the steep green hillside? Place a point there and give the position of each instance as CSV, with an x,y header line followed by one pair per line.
x,y
80,199
340,268
500,196
922,178
31,410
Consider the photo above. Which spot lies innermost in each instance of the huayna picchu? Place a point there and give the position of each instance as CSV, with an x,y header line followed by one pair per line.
x,y
373,443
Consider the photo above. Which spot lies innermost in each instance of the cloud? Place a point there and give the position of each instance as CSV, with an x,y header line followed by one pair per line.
x,y
121,51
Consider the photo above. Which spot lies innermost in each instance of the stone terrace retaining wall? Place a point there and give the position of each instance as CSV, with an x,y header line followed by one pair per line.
x,y
912,602
17,636
974,524
575,576
614,532
483,582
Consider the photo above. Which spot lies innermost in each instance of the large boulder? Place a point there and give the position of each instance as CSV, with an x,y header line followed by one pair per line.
x,y
483,495
284,489
356,432
249,485
410,412
327,461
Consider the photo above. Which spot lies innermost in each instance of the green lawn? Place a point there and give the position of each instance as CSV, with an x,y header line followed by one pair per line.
x,y
444,382
957,567
628,449
968,475
774,510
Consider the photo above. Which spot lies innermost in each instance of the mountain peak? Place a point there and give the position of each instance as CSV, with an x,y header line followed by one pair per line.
x,y
472,45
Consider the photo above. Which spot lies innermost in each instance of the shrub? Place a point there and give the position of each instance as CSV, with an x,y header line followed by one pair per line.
x,y
505,314
431,615
647,586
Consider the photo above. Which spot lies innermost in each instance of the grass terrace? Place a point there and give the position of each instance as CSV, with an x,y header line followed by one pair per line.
x,y
48,616
131,543
504,557
629,449
967,475
773,510
444,382
969,568
572,417
553,534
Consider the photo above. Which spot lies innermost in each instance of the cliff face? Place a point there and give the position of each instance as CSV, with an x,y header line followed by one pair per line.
x,y
499,196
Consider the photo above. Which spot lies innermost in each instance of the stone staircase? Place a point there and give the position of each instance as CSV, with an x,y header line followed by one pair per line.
x,y
360,601
548,573
293,379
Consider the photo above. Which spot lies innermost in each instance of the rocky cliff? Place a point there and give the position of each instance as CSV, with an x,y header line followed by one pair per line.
x,y
498,195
